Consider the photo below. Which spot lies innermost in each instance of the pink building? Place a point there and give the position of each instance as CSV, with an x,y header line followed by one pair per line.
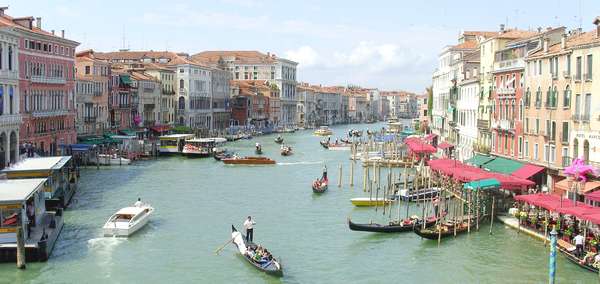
x,y
46,84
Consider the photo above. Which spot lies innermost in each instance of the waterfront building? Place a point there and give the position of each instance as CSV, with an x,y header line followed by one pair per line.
x,y
147,93
467,107
357,106
91,94
252,103
10,118
378,107
401,104
307,105
46,64
423,111
583,70
219,90
548,103
508,102
488,48
168,101
329,103
254,65
120,100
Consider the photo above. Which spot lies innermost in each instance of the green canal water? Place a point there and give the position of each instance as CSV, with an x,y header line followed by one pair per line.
x,y
197,200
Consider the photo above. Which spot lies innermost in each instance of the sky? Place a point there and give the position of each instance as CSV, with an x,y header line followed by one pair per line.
x,y
390,45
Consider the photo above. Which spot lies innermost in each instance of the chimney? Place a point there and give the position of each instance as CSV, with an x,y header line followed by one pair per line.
x,y
545,44
501,28
38,22
563,41
62,33
52,32
539,29
2,10
597,23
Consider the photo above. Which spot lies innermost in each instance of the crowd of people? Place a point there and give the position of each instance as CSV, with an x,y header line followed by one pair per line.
x,y
259,254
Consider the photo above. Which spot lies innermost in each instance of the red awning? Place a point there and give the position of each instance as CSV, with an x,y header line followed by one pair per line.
x,y
161,128
579,211
468,173
554,203
445,145
594,196
418,146
527,171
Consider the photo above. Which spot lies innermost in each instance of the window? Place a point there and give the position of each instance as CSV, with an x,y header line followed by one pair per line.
x,y
87,70
553,131
520,146
535,151
181,83
568,64
578,68
567,97
565,132
537,126
526,149
1,100
587,107
552,153
527,125
589,67
527,98
546,152
538,98
237,75
539,67
577,106
547,127
10,58
181,70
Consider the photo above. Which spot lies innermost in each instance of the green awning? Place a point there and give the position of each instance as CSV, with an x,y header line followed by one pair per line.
x,y
125,79
129,132
484,184
479,160
502,165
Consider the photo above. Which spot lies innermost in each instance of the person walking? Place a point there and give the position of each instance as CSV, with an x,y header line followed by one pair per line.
x,y
249,226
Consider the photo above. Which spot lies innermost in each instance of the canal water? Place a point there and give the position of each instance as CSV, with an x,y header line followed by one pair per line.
x,y
197,200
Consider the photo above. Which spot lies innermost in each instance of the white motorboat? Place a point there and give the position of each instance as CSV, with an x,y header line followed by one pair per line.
x,y
127,221
111,160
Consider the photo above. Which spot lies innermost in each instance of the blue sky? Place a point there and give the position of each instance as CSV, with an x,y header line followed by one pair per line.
x,y
383,44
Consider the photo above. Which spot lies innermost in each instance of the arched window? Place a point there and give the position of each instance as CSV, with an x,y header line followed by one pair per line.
x,y
567,97
538,98
548,97
10,59
13,147
586,151
181,103
1,100
554,100
527,97
181,84
575,148
11,100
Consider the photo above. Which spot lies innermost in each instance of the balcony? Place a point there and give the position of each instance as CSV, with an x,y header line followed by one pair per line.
x,y
483,124
48,113
7,120
6,74
125,105
505,91
505,124
567,74
89,119
48,80
566,161
509,64
97,93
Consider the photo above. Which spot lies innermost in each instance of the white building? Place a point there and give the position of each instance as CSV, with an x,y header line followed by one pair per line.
x,y
194,98
10,119
467,107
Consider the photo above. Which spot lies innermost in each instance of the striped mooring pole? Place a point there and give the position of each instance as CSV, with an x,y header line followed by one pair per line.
x,y
552,263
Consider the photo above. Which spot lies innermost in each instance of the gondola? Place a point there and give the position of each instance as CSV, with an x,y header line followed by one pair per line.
x,y
320,185
433,233
325,144
272,267
286,151
395,227
573,258
279,140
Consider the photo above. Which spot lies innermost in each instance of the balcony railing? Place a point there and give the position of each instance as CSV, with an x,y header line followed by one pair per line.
x,y
97,93
89,119
505,91
124,105
9,74
483,124
180,111
48,80
567,74
566,161
165,92
509,64
48,113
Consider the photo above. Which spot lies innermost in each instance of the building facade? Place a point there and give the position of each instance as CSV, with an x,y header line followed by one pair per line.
x,y
10,118
46,64
91,94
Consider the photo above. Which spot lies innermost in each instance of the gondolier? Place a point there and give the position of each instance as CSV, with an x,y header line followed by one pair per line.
x,y
249,226
324,177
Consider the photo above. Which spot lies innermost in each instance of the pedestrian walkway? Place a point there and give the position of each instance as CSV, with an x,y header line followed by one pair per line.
x,y
514,223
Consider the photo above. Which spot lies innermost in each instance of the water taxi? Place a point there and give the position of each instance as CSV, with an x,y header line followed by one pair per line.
x,y
173,143
127,221
366,201
110,160
323,131
248,161
203,147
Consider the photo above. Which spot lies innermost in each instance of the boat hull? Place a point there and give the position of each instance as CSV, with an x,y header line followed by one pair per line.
x,y
248,161
319,189
433,234
273,268
378,228
126,232
363,202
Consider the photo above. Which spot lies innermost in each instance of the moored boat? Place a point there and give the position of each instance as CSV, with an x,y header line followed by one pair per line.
x,y
419,194
366,201
447,230
110,160
393,227
248,250
569,251
248,161
127,221
202,147
339,146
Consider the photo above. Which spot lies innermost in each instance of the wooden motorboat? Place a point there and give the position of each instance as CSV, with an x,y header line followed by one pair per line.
x,y
286,151
127,221
279,140
222,155
270,266
569,251
248,161
320,185
366,201
405,225
447,228
339,146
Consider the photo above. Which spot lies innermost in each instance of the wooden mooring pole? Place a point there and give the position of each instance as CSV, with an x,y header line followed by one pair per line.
x,y
340,178
20,248
352,173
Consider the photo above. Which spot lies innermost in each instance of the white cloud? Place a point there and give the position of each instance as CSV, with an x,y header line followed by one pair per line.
x,y
305,55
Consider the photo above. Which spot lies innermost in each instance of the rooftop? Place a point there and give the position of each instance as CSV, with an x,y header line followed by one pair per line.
x,y
19,190
39,164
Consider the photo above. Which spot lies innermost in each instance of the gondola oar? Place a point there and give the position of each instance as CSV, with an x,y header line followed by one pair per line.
x,y
223,246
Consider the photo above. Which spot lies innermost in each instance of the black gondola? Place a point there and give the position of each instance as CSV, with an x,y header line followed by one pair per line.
x,y
391,228
272,267
432,233
279,140
325,144
320,186
571,257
